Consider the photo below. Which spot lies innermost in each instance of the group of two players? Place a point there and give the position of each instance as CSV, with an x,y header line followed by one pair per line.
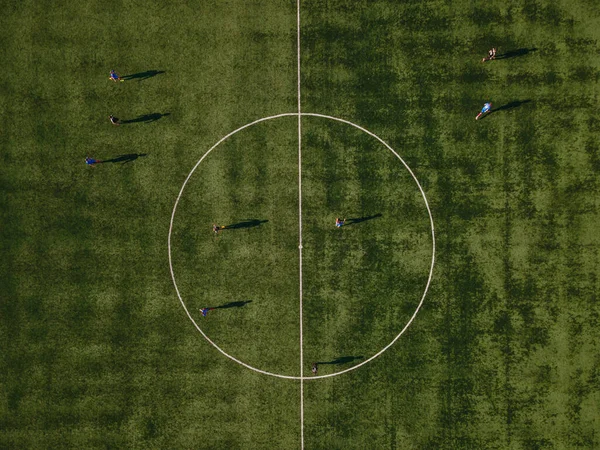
x,y
487,106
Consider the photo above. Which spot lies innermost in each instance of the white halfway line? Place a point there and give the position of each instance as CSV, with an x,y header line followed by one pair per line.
x,y
300,231
301,378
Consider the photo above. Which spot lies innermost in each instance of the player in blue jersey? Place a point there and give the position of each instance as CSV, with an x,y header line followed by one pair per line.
x,y
115,76
91,161
487,107
339,222
205,311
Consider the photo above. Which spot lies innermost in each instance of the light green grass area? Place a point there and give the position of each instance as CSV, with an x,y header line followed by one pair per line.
x,y
97,351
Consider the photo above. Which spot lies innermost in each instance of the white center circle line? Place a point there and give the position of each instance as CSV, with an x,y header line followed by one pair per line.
x,y
277,375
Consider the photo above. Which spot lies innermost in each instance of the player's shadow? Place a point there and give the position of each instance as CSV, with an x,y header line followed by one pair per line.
x,y
142,75
232,305
508,106
516,53
147,118
123,159
356,220
342,360
250,223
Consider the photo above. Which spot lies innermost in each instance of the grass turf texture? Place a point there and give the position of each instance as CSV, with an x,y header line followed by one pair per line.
x,y
97,351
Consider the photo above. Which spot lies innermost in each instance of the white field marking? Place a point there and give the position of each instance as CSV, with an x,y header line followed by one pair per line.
x,y
300,231
289,377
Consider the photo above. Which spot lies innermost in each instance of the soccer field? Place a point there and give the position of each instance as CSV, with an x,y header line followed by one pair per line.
x,y
457,307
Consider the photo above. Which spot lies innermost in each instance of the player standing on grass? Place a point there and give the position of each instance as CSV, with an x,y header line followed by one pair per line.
x,y
486,108
491,55
217,228
115,76
91,161
339,222
114,120
315,368
205,311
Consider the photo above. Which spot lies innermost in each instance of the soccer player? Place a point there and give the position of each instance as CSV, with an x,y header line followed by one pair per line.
x,y
339,222
217,228
204,311
486,108
491,55
91,161
114,120
115,76
315,368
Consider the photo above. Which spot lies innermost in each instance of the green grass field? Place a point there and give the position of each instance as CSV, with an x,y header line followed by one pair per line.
x,y
96,348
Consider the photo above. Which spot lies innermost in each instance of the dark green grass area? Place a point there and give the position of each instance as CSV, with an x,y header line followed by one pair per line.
x,y
504,353
363,281
96,350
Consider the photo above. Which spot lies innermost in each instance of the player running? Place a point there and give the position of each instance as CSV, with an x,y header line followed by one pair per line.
x,y
487,107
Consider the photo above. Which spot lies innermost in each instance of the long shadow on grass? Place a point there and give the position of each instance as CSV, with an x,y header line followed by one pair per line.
x,y
146,118
249,223
341,360
516,53
123,159
356,220
142,75
239,304
511,105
